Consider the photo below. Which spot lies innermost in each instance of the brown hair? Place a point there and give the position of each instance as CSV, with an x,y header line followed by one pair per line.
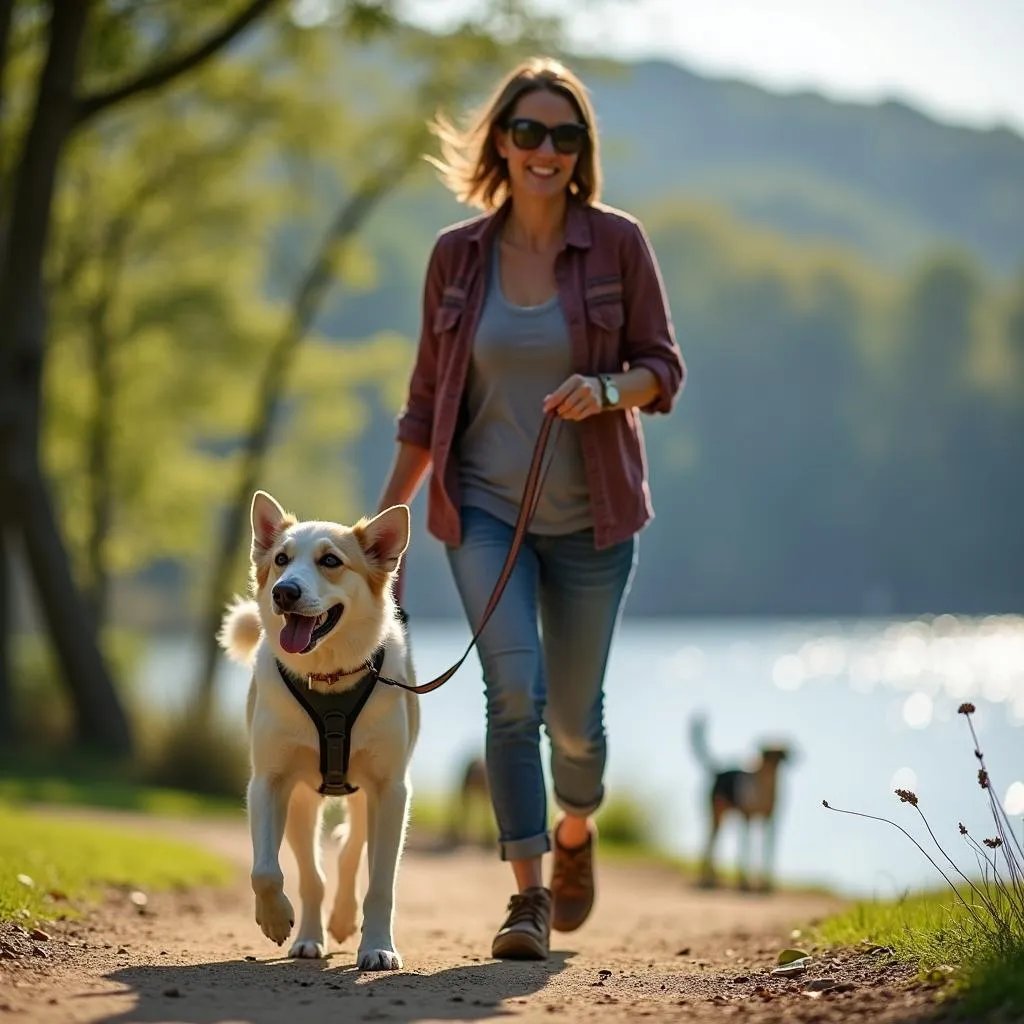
x,y
470,165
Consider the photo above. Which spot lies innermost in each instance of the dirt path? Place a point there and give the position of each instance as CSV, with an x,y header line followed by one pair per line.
x,y
654,948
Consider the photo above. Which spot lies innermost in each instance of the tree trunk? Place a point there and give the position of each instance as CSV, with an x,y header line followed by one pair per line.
x,y
314,285
100,442
100,716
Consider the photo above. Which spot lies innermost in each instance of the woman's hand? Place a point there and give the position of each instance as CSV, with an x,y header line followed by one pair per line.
x,y
576,399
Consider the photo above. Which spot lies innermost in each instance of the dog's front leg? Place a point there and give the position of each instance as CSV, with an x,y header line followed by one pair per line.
x,y
388,807
343,917
303,832
268,812
768,854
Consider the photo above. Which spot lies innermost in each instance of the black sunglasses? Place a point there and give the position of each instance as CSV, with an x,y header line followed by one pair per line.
x,y
567,139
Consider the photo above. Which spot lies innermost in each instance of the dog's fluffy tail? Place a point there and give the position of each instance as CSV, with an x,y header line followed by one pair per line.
x,y
240,630
699,743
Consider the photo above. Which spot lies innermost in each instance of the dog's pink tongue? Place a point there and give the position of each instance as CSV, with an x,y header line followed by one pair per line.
x,y
296,633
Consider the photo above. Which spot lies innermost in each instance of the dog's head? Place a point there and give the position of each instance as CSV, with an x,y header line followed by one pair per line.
x,y
323,588
775,755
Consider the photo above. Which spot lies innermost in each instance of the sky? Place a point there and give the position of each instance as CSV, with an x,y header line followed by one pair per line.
x,y
960,61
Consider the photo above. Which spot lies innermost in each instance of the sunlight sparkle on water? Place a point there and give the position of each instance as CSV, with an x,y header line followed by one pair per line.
x,y
903,778
1013,802
917,710
933,661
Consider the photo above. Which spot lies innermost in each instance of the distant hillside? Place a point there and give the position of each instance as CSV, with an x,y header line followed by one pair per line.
x,y
885,179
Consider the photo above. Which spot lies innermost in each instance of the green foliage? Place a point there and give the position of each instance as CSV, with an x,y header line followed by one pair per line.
x,y
624,822
44,715
204,756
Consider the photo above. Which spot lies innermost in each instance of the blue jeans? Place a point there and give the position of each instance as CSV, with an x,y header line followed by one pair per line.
x,y
576,593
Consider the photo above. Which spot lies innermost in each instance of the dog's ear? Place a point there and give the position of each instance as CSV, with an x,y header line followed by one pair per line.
x,y
385,537
268,520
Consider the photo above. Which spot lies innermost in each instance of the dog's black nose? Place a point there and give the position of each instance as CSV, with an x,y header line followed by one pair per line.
x,y
286,593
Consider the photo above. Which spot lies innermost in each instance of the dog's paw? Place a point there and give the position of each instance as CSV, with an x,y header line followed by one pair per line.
x,y
274,915
307,949
342,924
379,960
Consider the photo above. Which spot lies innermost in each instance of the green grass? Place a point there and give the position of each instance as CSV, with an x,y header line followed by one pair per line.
x,y
78,860
932,930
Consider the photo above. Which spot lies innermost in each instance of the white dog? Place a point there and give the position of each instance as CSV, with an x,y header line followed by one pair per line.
x,y
323,615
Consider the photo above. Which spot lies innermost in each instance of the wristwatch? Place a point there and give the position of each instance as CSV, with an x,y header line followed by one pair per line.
x,y
609,392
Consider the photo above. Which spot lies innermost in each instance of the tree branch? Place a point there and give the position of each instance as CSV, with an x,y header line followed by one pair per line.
x,y
160,75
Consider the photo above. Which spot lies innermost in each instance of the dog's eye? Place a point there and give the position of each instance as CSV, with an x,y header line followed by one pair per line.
x,y
330,561
280,558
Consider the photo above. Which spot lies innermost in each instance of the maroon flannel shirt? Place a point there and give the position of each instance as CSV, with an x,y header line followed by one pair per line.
x,y
617,316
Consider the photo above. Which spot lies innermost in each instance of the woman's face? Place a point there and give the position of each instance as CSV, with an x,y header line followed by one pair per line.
x,y
539,163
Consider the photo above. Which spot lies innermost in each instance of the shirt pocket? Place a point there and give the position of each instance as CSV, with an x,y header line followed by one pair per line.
x,y
448,315
606,316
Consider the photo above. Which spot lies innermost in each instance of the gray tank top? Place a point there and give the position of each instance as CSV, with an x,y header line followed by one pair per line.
x,y
520,354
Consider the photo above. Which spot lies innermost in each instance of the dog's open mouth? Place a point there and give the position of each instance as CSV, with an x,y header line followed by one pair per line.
x,y
301,633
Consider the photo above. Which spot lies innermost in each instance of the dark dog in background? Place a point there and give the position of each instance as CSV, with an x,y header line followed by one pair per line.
x,y
472,806
750,794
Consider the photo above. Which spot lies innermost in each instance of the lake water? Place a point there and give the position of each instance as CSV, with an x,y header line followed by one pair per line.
x,y
869,706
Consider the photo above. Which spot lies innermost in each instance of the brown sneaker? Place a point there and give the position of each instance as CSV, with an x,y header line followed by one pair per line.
x,y
526,933
572,884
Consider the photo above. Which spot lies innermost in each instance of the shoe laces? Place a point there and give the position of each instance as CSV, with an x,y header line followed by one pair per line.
x,y
528,908
571,868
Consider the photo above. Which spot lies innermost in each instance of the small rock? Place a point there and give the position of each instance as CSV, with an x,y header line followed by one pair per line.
x,y
39,951
250,957
139,899
26,880
820,984
39,935
172,993
685,951
604,973
740,979
794,968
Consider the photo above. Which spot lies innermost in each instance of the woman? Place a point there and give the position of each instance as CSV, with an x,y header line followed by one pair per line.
x,y
548,301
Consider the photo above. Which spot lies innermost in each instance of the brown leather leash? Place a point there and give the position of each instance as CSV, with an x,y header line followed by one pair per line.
x,y
527,507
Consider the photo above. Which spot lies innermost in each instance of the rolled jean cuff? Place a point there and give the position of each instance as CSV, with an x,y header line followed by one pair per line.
x,y
525,849
580,810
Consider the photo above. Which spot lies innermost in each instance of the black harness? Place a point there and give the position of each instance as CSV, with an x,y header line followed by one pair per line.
x,y
333,714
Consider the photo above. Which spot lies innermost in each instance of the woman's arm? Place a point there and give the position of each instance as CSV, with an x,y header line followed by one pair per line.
x,y
649,342
408,469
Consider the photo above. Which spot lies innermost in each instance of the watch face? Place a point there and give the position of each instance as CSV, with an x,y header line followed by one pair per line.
x,y
611,392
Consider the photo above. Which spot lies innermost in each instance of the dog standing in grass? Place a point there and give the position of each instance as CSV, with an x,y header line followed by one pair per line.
x,y
751,794
323,609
